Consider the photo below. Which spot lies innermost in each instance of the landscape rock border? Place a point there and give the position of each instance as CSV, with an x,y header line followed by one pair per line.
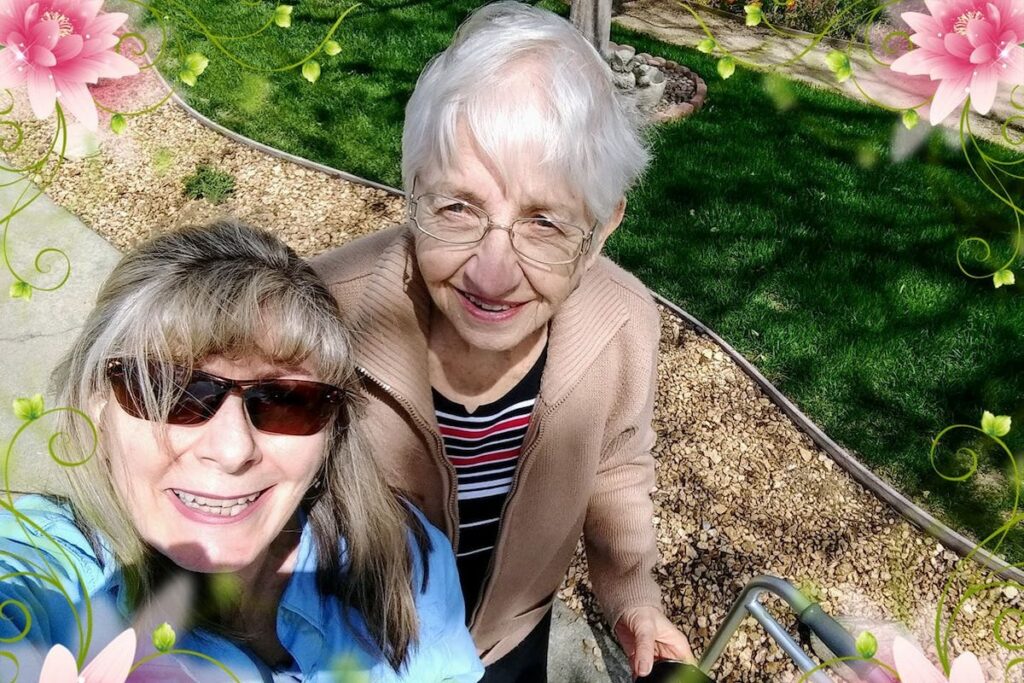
x,y
678,110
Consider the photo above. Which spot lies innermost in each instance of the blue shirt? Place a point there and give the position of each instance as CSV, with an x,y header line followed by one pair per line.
x,y
46,573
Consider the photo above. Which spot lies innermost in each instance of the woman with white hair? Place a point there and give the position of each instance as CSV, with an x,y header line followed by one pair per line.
x,y
511,368
217,372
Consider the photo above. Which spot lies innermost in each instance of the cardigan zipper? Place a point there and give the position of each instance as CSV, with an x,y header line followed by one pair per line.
x,y
453,515
528,448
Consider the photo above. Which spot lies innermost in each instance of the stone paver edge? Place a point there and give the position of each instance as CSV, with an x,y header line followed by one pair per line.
x,y
861,474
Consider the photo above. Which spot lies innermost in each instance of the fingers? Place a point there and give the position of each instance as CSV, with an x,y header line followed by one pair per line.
x,y
643,651
673,644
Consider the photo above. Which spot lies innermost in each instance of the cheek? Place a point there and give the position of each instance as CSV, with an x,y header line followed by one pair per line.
x,y
438,263
299,458
554,286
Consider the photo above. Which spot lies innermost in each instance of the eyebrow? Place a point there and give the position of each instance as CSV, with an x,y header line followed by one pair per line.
x,y
533,207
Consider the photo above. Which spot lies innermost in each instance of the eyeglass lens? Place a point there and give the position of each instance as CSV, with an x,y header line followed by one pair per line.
x,y
457,222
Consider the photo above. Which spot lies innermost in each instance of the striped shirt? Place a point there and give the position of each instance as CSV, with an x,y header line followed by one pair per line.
x,y
484,448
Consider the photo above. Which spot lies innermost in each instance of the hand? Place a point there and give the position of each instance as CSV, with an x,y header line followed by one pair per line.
x,y
646,634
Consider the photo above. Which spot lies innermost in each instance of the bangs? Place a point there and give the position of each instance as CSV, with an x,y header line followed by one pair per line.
x,y
259,315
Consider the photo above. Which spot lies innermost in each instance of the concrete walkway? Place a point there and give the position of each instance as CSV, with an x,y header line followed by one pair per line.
x,y
34,334
669,22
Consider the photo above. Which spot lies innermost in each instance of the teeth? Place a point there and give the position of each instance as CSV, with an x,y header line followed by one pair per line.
x,y
216,506
487,307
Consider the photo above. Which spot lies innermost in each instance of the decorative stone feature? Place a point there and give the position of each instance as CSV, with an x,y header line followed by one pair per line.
x,y
664,89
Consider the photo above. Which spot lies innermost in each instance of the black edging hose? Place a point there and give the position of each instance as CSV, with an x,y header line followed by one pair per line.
x,y
862,475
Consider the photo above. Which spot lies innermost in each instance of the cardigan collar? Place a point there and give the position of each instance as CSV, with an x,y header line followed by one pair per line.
x,y
392,325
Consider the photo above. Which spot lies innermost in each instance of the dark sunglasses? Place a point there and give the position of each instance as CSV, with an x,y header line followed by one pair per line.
x,y
295,407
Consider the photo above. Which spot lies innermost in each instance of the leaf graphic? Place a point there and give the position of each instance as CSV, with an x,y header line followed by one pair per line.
x,y
29,409
311,71
754,14
839,63
21,290
867,645
995,425
707,46
118,123
1003,277
910,118
283,15
164,637
332,48
196,62
726,67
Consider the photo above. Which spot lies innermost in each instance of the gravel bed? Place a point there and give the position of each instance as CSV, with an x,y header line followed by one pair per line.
x,y
741,491
134,188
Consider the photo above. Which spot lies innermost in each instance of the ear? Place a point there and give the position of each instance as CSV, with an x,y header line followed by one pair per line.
x,y
602,233
94,408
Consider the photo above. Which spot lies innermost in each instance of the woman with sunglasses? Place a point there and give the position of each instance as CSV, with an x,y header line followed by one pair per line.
x,y
218,375
511,368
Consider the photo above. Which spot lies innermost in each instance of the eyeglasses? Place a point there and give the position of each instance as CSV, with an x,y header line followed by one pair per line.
x,y
539,239
294,407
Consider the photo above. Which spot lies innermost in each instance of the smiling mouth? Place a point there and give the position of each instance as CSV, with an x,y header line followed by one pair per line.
x,y
489,306
225,507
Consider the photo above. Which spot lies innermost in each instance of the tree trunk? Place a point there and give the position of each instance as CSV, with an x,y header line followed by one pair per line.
x,y
593,18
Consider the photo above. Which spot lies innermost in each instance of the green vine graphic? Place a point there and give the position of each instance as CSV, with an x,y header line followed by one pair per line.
x,y
36,176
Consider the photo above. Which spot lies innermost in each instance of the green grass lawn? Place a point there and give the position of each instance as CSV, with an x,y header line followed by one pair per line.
x,y
789,232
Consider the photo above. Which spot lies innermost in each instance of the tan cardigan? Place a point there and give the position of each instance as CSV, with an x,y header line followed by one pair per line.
x,y
586,464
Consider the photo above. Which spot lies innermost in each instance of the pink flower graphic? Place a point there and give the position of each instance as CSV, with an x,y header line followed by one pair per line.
x,y
56,47
112,665
914,667
969,46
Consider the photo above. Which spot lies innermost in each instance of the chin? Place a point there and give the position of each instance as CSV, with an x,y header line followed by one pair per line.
x,y
203,561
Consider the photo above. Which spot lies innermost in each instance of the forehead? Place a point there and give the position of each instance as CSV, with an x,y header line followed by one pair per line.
x,y
250,366
515,173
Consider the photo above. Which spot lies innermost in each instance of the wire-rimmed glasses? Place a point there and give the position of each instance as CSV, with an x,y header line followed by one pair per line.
x,y
456,221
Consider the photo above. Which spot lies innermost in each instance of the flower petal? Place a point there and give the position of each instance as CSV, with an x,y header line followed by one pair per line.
x,y
113,664
983,89
41,92
114,65
10,77
914,63
950,94
107,22
958,46
966,669
980,32
994,15
921,23
44,33
40,56
68,47
984,54
76,100
81,70
59,666
912,665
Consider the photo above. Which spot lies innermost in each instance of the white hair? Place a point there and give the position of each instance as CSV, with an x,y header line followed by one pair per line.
x,y
589,132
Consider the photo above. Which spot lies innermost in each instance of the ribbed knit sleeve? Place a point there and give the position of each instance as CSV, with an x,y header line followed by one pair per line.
x,y
618,532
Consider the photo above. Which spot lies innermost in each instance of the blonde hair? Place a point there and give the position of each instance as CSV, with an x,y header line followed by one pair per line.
x,y
229,289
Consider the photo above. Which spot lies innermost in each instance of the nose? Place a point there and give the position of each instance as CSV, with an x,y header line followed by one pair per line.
x,y
494,269
226,441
